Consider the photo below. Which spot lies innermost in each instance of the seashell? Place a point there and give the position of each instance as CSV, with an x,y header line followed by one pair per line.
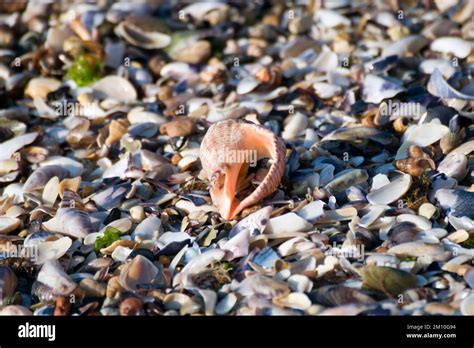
x,y
331,19
92,288
138,272
295,127
9,147
438,86
15,310
8,283
54,276
374,213
296,300
287,223
458,236
209,298
70,221
8,224
339,295
456,202
262,286
144,32
346,179
389,280
312,211
111,196
454,165
138,115
196,265
467,305
421,135
131,306
238,245
420,249
175,301
375,89
450,44
428,66
408,45
187,47
300,283
255,223
419,221
326,90
124,243
52,250
39,87
198,10
390,192
352,134
148,229
235,136
41,176
116,88
294,245
179,127
226,305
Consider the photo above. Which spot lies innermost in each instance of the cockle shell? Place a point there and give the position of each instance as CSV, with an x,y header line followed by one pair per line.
x,y
232,137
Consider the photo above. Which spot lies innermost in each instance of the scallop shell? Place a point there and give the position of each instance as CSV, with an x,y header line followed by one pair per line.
x,y
232,135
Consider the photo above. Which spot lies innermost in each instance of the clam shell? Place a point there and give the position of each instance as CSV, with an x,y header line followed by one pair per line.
x,y
116,88
148,229
8,283
454,45
390,192
438,86
140,271
421,135
288,223
9,147
376,89
143,32
8,224
70,221
225,305
53,250
41,176
54,276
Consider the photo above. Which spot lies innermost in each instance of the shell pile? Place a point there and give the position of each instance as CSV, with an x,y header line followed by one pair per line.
x,y
237,158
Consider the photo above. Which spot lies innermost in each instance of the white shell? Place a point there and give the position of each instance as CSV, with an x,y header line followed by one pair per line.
x,y
289,222
376,89
226,304
390,192
74,167
115,87
454,45
422,135
428,66
53,250
9,147
312,211
54,276
467,305
148,229
8,224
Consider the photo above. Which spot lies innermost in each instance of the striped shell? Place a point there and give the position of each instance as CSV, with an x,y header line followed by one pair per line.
x,y
243,135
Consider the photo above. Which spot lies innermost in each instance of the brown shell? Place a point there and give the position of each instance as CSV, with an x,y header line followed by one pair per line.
x,y
242,135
